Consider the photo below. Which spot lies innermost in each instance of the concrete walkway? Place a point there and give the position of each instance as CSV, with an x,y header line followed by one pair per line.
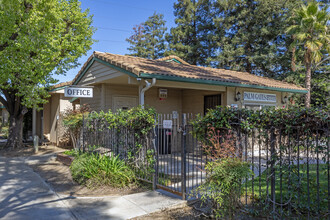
x,y
25,195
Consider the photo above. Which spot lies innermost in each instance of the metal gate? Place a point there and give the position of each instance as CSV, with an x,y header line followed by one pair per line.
x,y
179,156
169,157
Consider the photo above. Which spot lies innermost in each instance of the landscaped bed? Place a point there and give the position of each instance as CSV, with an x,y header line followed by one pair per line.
x,y
58,176
89,174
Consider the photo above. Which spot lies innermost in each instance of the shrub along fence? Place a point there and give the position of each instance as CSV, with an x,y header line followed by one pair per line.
x,y
287,151
127,134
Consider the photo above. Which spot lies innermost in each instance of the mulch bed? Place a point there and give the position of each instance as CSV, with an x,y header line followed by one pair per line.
x,y
58,176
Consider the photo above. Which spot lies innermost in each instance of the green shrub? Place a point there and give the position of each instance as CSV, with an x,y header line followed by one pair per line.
x,y
226,172
95,169
73,122
223,185
72,152
288,119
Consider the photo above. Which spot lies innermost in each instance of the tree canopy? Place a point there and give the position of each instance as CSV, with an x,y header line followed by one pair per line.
x,y
148,39
249,36
311,37
38,38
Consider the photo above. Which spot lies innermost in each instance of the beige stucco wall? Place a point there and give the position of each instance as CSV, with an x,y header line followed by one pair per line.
x,y
54,112
65,103
193,100
173,102
95,102
56,105
178,99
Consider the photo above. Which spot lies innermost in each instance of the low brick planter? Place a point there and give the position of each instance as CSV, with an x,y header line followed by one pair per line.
x,y
65,159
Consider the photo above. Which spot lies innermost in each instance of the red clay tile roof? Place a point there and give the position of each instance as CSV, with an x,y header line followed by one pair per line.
x,y
171,57
137,65
61,84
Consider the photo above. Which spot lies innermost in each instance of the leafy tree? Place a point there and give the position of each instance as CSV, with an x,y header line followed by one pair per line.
x,y
38,38
190,39
310,29
148,40
251,35
137,47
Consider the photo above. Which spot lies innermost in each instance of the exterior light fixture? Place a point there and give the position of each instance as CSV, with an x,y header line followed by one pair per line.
x,y
238,96
285,99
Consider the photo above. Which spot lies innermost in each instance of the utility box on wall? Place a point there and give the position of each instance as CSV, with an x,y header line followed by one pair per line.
x,y
162,94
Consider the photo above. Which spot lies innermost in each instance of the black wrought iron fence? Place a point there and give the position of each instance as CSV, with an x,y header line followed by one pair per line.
x,y
138,152
291,166
291,171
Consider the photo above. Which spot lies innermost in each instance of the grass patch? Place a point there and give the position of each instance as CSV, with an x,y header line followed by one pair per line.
x,y
293,189
72,152
92,169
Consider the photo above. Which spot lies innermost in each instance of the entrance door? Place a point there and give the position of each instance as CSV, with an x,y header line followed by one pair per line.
x,y
211,101
124,102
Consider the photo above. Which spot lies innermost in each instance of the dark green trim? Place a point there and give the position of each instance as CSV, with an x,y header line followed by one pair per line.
x,y
175,60
58,88
1,106
219,83
84,71
105,63
74,99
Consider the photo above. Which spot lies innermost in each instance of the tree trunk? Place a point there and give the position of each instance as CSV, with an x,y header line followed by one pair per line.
x,y
15,137
293,60
308,85
16,112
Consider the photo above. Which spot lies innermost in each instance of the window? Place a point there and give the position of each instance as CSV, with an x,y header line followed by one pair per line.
x,y
211,101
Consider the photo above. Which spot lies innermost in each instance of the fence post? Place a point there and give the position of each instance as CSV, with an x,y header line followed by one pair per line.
x,y
156,147
83,133
183,157
272,166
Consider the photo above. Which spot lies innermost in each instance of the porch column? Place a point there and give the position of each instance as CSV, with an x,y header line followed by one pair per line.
x,y
34,122
140,100
102,97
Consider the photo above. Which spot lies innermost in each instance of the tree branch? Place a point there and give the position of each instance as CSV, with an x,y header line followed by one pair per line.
x,y
322,61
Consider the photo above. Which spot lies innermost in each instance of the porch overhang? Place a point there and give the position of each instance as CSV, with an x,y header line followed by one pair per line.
x,y
218,83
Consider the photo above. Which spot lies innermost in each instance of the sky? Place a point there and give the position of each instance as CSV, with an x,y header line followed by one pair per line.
x,y
115,20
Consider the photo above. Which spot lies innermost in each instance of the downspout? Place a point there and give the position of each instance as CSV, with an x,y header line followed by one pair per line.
x,y
143,90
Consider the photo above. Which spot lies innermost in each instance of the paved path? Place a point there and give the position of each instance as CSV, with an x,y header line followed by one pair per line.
x,y
24,195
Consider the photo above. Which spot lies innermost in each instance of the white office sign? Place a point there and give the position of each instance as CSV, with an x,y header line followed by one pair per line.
x,y
167,124
78,92
260,97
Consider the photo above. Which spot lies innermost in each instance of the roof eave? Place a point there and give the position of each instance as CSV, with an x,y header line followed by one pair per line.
x,y
58,88
219,83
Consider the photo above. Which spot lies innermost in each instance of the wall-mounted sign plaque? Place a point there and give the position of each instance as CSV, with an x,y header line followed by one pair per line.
x,y
78,92
259,97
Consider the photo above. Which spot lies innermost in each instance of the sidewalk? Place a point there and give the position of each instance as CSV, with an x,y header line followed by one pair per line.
x,y
25,195
121,207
